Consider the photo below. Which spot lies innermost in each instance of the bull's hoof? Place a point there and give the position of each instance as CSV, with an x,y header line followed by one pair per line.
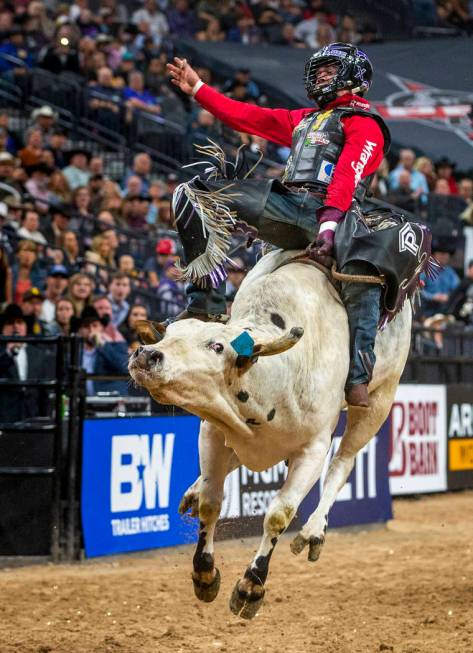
x,y
189,502
207,592
245,603
315,546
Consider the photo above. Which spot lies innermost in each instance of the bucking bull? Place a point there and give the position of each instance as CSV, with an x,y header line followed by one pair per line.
x,y
282,402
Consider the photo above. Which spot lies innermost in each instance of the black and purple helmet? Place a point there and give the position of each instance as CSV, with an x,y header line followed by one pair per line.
x,y
355,72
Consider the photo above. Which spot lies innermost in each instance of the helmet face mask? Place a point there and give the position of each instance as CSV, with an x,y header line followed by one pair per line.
x,y
354,72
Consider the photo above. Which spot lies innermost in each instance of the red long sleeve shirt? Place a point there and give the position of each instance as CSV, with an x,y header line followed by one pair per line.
x,y
361,154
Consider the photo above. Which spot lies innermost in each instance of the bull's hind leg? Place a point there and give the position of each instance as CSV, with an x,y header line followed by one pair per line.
x,y
362,425
303,472
215,460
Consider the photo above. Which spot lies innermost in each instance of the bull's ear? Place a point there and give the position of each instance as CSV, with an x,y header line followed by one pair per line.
x,y
149,332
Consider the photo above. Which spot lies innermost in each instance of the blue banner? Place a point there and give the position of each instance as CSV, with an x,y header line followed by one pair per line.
x,y
134,474
365,498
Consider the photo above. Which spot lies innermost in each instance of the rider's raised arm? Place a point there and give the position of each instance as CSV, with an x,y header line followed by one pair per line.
x,y
275,125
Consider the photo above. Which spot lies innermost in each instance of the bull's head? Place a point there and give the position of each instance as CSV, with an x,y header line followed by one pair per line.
x,y
193,363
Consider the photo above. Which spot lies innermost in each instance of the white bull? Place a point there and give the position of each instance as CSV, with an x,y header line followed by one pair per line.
x,y
285,407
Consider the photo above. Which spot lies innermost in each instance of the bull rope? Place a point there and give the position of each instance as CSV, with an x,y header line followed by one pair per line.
x,y
332,274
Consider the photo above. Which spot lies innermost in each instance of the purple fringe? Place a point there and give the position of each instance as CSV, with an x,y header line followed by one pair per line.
x,y
217,275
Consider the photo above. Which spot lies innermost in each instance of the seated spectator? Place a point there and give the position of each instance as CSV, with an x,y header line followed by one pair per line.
x,y
99,355
288,37
31,306
170,292
205,128
55,230
44,118
111,237
81,204
150,17
26,272
134,211
63,313
104,100
212,31
12,138
30,227
7,168
182,20
77,172
247,32
57,143
444,168
134,186
404,195
424,165
455,13
32,153
127,329
101,252
154,266
243,76
56,284
442,187
72,258
38,186
104,309
60,56
21,362
118,292
59,188
460,304
80,291
465,191
407,159
137,98
126,264
6,291
436,293
13,44
142,166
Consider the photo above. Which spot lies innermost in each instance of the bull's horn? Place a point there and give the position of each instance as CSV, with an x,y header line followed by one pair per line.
x,y
278,345
149,332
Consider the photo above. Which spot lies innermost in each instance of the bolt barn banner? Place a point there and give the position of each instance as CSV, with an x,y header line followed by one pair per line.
x,y
418,442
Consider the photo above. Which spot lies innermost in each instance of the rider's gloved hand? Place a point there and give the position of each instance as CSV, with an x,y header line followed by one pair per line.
x,y
328,218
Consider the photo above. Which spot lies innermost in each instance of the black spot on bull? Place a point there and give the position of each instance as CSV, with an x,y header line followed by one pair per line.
x,y
271,414
243,396
277,320
202,561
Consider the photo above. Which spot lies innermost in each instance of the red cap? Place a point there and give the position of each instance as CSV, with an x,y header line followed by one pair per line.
x,y
165,246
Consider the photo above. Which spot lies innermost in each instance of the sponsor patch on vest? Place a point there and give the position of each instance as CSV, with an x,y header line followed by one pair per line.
x,y
325,172
317,138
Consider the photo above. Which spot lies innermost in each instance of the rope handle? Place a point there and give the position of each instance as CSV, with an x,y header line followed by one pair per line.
x,y
360,278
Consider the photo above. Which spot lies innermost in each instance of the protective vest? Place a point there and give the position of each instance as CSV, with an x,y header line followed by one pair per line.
x,y
317,142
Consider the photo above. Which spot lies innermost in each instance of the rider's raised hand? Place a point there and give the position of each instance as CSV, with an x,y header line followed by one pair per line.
x,y
183,75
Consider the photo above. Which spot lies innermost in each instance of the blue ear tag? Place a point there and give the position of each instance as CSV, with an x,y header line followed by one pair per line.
x,y
243,344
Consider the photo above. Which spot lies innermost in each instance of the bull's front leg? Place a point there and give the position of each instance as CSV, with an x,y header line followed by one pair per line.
x,y
304,470
215,460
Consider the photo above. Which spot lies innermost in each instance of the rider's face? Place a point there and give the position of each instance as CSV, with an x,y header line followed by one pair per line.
x,y
325,74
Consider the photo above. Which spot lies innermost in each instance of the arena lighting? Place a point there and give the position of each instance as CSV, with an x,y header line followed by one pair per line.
x,y
64,41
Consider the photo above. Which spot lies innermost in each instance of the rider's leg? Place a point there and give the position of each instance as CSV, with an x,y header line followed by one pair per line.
x,y
362,302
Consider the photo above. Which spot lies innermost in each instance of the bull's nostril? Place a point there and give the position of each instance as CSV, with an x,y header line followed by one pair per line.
x,y
138,351
155,356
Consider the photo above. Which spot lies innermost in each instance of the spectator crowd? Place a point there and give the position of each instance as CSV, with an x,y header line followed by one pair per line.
x,y
85,251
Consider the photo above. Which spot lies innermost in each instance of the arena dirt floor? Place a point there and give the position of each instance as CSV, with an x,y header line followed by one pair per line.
x,y
407,588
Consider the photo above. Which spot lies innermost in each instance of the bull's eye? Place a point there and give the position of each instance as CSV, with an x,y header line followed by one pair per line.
x,y
216,346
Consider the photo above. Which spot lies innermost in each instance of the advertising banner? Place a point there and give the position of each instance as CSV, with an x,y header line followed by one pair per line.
x,y
460,436
418,443
135,472
365,498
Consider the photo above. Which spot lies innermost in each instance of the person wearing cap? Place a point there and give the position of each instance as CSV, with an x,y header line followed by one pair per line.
x,y
436,293
21,362
38,185
31,305
153,268
30,227
100,356
56,285
77,169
